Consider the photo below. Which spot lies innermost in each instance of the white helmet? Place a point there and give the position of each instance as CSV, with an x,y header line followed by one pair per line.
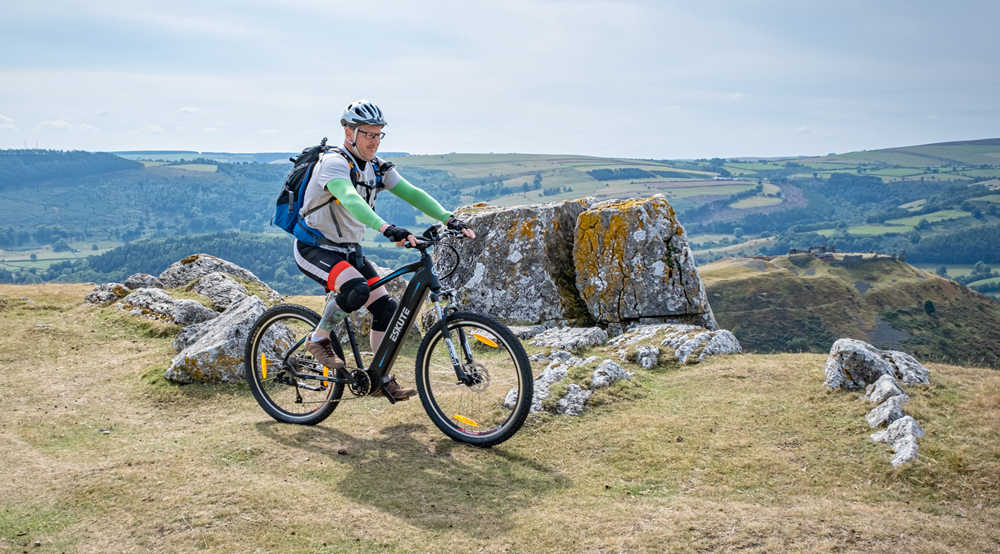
x,y
361,113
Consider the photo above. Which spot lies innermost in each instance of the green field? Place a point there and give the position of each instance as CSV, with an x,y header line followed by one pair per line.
x,y
992,198
954,270
756,202
915,205
869,230
990,281
210,168
933,217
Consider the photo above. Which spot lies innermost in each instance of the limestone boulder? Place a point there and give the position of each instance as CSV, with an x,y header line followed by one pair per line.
x,y
607,373
633,264
520,267
854,364
213,351
885,387
221,289
107,293
572,403
902,435
157,304
887,412
142,281
571,338
196,266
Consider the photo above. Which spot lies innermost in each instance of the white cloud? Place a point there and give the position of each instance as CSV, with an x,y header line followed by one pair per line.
x,y
56,125
210,129
6,122
188,110
155,129
269,131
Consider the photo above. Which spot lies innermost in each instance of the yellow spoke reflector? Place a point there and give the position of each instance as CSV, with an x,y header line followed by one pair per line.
x,y
484,340
326,373
263,366
465,420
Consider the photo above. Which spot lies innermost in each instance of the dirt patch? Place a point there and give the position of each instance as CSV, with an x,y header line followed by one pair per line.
x,y
884,335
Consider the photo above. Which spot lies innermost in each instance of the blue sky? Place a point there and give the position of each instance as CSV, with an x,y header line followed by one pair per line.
x,y
637,79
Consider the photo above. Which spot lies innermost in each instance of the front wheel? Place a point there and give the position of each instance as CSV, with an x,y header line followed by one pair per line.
x,y
282,374
492,402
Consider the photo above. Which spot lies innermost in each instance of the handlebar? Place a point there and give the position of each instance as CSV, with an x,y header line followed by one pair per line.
x,y
433,235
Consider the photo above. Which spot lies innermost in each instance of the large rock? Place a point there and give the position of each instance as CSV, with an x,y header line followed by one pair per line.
x,y
854,364
887,412
571,338
213,351
157,304
183,272
520,267
633,264
142,281
573,401
902,435
106,293
221,289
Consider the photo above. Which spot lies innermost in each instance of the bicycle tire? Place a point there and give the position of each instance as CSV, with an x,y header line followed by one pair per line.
x,y
275,340
490,411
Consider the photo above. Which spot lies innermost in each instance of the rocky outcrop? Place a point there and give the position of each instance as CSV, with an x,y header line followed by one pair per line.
x,y
157,304
196,266
221,289
577,262
649,345
520,266
633,264
213,351
854,364
571,338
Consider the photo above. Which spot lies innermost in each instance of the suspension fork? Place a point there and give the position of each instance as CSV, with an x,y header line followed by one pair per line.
x,y
443,313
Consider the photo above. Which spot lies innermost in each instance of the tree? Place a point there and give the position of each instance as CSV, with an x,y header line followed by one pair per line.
x,y
34,257
980,269
929,307
942,271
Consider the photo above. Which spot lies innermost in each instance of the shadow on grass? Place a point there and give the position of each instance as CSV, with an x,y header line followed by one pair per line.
x,y
438,485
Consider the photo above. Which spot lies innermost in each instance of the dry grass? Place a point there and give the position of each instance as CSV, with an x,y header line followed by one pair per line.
x,y
739,453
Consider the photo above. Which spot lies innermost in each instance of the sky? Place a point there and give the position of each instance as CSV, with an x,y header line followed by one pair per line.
x,y
632,79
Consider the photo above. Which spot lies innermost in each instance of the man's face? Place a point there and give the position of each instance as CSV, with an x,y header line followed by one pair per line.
x,y
368,139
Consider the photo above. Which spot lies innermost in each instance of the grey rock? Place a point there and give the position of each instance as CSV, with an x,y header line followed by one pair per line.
x,y
885,387
520,266
888,411
853,364
633,263
184,271
686,343
216,353
157,304
143,280
571,338
221,289
908,369
902,435
527,331
647,356
106,293
607,373
722,342
688,347
556,371
573,401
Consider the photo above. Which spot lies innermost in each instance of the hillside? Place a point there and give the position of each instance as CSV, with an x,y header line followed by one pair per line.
x,y
738,453
802,303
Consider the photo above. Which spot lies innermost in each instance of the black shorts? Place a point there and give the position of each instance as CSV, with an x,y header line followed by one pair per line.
x,y
323,265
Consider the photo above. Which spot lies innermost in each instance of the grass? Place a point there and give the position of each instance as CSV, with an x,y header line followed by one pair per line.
x,y
992,198
208,168
739,453
954,270
933,217
756,202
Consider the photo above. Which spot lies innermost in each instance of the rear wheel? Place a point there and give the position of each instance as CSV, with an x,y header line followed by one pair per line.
x,y
492,404
277,367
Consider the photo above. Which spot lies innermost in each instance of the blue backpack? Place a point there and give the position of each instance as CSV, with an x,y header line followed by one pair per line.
x,y
289,204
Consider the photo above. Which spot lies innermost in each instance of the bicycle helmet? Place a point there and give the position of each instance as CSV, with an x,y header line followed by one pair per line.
x,y
361,113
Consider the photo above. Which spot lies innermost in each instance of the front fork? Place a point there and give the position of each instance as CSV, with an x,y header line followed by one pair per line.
x,y
444,310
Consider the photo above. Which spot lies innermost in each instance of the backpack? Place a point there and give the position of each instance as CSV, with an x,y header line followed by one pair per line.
x,y
288,206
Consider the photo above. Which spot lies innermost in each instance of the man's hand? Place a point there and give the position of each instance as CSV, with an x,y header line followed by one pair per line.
x,y
456,224
398,235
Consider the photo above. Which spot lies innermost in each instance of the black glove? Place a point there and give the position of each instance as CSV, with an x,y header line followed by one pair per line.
x,y
456,224
396,234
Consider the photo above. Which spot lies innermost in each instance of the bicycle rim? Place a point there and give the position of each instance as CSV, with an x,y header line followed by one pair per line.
x,y
277,346
490,410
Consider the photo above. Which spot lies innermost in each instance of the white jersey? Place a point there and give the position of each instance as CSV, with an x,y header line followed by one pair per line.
x,y
333,220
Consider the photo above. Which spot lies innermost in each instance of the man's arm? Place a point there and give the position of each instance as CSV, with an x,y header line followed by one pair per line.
x,y
419,199
344,192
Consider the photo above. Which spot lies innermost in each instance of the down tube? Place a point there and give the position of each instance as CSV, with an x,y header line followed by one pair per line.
x,y
402,320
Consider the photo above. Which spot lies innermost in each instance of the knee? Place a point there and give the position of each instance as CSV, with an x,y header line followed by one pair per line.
x,y
353,295
382,310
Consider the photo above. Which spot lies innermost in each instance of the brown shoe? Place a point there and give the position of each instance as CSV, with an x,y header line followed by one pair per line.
x,y
395,391
322,350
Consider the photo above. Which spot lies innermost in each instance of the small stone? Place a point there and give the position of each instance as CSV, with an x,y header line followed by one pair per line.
x,y
342,451
887,412
679,438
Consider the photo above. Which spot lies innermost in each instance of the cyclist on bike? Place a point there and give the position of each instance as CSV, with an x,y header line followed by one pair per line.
x,y
353,176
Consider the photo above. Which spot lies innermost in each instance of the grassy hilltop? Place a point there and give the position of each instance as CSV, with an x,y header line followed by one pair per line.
x,y
741,452
801,303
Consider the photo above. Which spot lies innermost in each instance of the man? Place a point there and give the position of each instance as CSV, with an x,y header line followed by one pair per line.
x,y
339,203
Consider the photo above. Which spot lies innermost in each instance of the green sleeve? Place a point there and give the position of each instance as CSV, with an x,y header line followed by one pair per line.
x,y
420,200
344,192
